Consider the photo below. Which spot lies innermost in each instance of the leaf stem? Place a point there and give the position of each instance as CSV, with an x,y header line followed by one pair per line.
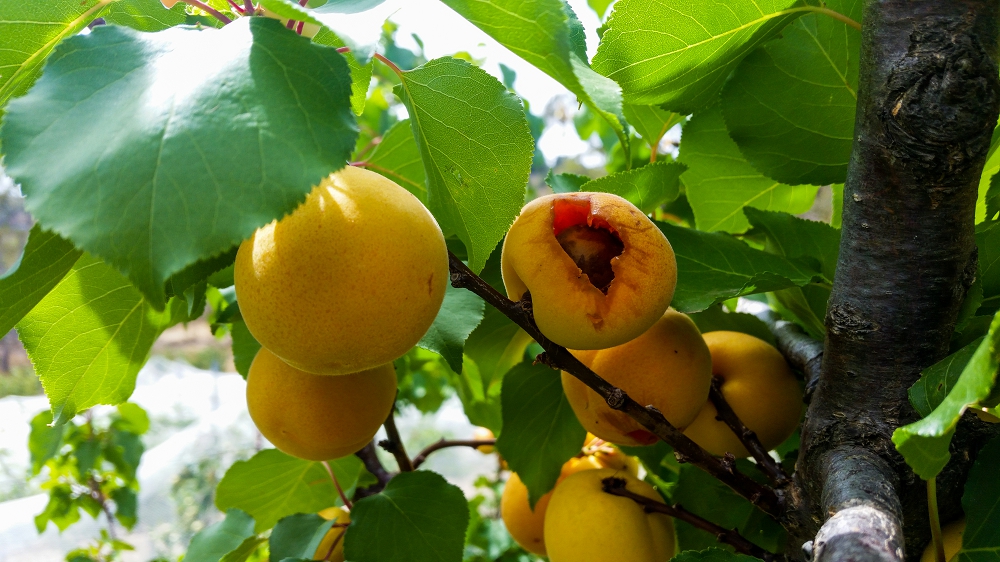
x,y
208,9
248,6
390,64
932,510
444,444
340,491
835,15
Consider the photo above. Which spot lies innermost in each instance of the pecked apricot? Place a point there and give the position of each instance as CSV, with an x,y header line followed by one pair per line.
x,y
760,387
349,281
599,271
669,367
316,417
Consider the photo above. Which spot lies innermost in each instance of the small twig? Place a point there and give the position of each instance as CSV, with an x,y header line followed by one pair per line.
x,y
340,491
208,9
394,444
333,545
616,487
765,462
248,6
559,357
236,7
444,444
369,457
100,498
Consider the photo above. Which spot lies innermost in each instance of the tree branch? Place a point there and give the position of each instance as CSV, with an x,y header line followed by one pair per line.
x,y
801,351
765,461
649,417
616,487
444,444
394,444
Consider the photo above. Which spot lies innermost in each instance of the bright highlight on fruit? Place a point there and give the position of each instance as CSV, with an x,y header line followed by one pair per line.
x,y
669,367
349,281
758,385
583,523
599,271
316,417
334,538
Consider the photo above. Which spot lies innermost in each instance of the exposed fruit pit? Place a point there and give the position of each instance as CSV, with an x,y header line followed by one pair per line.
x,y
587,239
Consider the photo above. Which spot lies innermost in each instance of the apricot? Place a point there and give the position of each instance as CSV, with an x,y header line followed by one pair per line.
x,y
760,387
480,434
349,281
526,525
668,367
599,271
339,516
316,417
585,524
951,535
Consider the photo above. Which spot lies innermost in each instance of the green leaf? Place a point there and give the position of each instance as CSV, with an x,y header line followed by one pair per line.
x,y
993,197
145,15
565,183
678,53
132,418
659,460
361,74
714,318
200,271
90,335
397,157
981,502
246,548
126,160
126,506
990,169
924,444
715,267
245,346
496,345
335,16
297,536
476,153
790,104
44,441
700,493
217,540
460,313
988,241
651,122
540,430
419,517
480,397
939,379
647,187
546,33
28,33
600,6
720,182
793,238
46,260
272,485
711,555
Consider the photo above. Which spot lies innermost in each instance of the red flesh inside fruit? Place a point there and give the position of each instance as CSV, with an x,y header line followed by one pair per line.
x,y
588,240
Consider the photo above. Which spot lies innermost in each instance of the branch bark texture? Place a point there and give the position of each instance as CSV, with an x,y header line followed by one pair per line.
x,y
928,100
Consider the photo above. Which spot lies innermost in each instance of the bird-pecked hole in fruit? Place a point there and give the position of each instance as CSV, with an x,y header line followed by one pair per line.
x,y
587,239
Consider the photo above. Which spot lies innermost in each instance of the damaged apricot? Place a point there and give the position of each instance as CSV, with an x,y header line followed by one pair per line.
x,y
599,271
668,367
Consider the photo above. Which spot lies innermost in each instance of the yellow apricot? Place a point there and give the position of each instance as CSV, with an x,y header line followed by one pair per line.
x,y
526,525
759,386
316,417
340,516
951,535
480,434
668,367
349,281
599,271
585,524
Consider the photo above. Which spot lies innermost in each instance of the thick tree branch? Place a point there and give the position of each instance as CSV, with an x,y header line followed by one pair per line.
x,y
765,461
801,351
558,357
616,487
928,100
444,444
394,444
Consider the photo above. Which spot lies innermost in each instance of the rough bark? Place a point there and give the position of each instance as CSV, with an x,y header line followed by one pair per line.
x,y
928,100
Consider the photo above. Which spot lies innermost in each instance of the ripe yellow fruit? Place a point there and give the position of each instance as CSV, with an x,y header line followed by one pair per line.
x,y
316,417
349,281
580,513
339,516
759,386
599,271
951,535
668,366
480,434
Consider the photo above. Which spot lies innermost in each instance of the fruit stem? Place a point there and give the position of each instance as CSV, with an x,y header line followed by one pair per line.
x,y
727,415
394,444
932,510
208,9
557,357
616,487
340,491
248,7
444,444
